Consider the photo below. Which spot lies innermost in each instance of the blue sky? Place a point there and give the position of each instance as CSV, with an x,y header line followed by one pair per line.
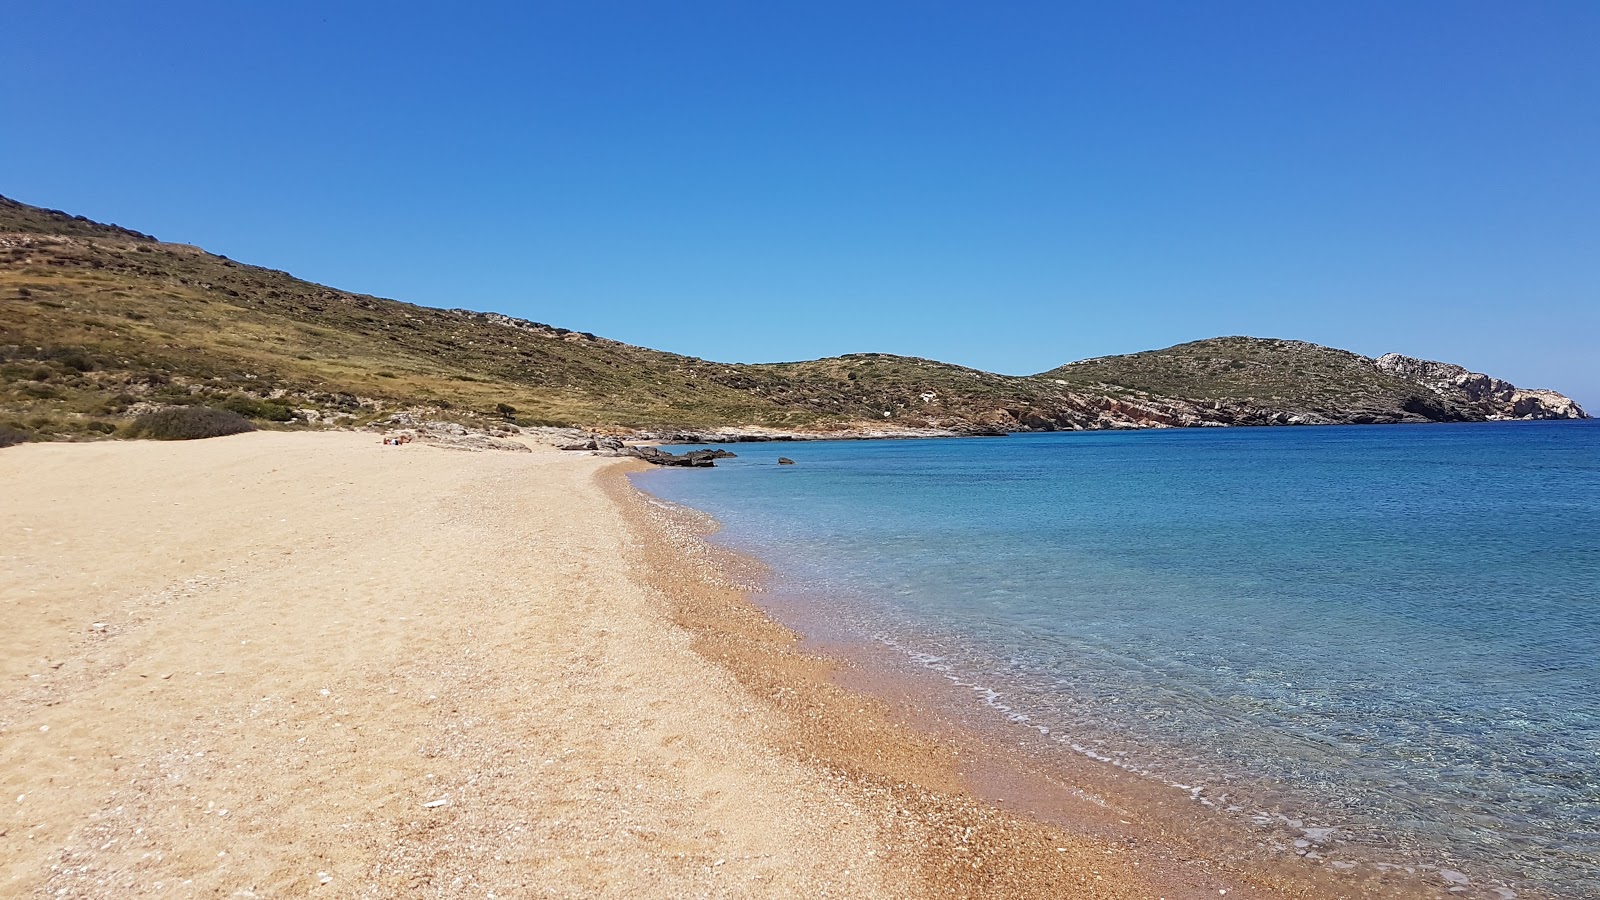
x,y
1007,186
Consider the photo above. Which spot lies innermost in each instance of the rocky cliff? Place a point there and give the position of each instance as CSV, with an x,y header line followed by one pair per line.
x,y
1496,399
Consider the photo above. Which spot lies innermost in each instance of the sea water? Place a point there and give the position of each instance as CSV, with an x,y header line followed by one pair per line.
x,y
1389,631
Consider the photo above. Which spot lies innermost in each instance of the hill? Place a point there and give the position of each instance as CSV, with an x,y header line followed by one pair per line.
x,y
99,322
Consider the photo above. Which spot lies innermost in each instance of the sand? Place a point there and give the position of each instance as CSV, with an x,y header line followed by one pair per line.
x,y
287,664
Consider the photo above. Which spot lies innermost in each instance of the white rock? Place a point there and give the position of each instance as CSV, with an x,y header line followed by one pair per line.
x,y
443,801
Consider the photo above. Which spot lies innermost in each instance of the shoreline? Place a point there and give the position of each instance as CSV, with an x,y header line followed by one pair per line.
x,y
1013,770
963,846
277,664
281,663
881,733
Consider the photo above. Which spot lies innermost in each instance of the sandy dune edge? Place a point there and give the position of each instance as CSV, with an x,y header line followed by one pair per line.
x,y
279,664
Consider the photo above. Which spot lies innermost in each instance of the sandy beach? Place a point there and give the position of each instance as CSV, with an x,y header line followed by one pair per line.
x,y
283,664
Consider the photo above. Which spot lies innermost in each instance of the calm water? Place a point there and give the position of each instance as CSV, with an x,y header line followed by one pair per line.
x,y
1389,631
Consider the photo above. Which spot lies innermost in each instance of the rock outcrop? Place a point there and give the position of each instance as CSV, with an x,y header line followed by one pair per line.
x,y
1495,398
693,458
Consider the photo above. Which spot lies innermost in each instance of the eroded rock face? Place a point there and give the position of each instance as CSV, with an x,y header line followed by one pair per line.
x,y
1495,398
1540,404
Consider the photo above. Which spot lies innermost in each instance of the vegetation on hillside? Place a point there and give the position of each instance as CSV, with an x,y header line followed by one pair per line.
x,y
1263,370
100,324
101,320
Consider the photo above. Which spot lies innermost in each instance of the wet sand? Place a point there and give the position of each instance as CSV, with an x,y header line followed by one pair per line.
x,y
285,664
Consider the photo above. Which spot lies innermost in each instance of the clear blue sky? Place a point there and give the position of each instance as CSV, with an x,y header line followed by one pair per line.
x,y
1004,185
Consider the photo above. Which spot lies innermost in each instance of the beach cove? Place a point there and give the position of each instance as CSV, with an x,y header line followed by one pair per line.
x,y
277,664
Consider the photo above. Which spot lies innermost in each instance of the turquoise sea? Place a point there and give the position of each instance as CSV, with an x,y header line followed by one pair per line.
x,y
1388,636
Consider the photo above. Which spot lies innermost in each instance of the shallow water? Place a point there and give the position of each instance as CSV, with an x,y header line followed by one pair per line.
x,y
1388,631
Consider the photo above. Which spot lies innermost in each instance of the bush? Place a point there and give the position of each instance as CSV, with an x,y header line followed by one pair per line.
x,y
188,423
11,436
116,404
76,360
248,406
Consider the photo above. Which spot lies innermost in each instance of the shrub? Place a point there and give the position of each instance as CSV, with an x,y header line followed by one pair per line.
x,y
116,404
11,436
245,405
188,423
74,359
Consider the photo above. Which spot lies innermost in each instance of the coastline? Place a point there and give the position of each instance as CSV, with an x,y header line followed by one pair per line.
x,y
957,844
1178,846
280,663
277,664
888,736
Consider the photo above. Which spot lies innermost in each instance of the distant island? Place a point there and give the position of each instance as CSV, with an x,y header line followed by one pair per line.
x,y
102,323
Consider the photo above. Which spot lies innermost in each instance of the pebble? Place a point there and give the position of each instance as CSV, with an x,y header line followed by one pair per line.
x,y
436,803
